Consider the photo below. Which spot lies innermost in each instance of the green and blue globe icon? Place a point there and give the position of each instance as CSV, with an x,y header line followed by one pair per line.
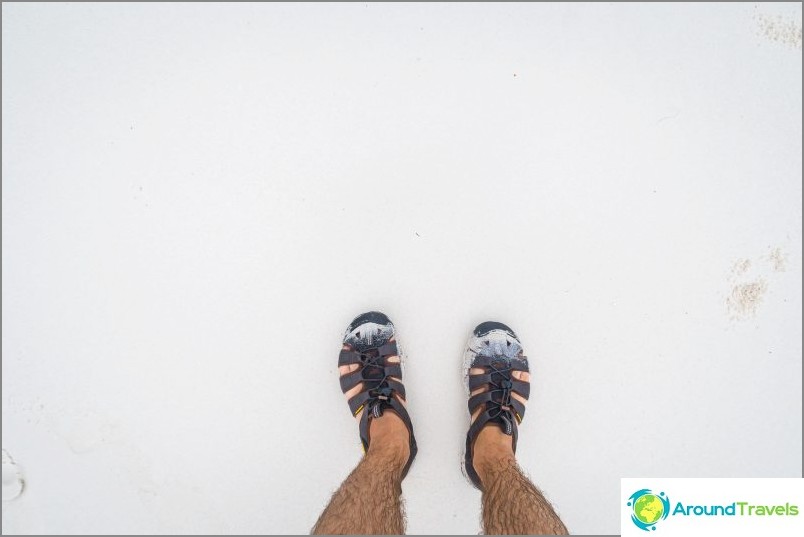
x,y
648,508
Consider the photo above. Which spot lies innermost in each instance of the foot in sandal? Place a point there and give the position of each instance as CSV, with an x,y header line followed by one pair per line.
x,y
371,379
498,383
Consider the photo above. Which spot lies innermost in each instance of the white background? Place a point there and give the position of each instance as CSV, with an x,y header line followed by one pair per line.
x,y
198,198
724,492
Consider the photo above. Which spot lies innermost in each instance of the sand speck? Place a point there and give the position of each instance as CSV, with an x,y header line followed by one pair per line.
x,y
744,299
741,266
784,30
778,260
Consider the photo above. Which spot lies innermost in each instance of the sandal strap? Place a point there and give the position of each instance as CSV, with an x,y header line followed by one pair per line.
x,y
348,357
399,409
518,386
359,400
481,421
350,380
486,397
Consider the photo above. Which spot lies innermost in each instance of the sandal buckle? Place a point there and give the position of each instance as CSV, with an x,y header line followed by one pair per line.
x,y
383,393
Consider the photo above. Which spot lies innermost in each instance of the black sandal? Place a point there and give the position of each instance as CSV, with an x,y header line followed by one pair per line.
x,y
496,349
368,338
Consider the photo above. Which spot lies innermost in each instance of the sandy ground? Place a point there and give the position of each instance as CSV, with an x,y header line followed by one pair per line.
x,y
197,200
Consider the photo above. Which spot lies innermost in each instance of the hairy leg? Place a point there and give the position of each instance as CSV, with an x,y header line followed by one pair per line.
x,y
512,505
370,500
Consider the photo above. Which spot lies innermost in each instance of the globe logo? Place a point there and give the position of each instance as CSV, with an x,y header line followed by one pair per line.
x,y
648,508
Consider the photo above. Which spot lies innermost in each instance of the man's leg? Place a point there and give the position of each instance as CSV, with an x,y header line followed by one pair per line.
x,y
370,500
511,503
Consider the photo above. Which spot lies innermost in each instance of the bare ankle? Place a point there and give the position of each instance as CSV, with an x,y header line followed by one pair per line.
x,y
389,438
493,450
